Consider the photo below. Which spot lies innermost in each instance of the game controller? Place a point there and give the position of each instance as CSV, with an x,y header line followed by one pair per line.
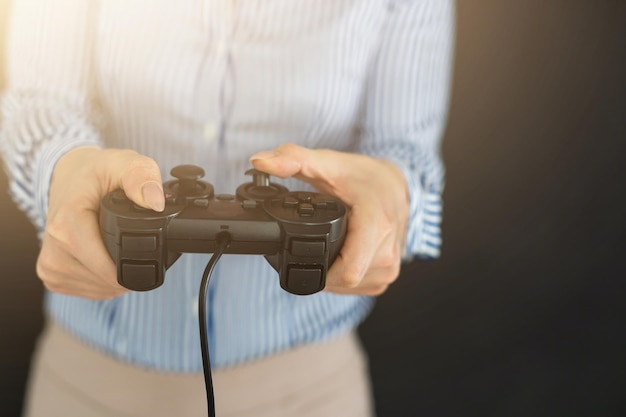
x,y
299,233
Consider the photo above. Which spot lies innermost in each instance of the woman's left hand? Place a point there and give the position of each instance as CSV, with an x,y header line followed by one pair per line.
x,y
376,194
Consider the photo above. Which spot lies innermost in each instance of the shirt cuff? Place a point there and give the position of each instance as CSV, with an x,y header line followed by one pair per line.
x,y
45,161
423,235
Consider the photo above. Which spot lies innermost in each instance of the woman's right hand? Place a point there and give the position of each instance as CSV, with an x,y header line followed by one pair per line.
x,y
73,259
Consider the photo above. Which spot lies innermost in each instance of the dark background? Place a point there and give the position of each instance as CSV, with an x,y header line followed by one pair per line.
x,y
523,314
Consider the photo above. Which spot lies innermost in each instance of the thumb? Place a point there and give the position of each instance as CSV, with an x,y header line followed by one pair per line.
x,y
318,167
140,178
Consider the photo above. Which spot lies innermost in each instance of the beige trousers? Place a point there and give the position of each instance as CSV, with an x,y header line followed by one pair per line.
x,y
68,378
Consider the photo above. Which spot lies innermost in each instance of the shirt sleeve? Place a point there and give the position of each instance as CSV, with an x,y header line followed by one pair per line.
x,y
46,109
406,107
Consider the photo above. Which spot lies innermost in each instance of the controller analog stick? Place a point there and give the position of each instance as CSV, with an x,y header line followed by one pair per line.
x,y
259,178
260,188
188,179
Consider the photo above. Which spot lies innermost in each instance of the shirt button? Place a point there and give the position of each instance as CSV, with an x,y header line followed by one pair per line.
x,y
210,132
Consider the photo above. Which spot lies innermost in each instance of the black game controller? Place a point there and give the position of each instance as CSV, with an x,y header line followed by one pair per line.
x,y
299,233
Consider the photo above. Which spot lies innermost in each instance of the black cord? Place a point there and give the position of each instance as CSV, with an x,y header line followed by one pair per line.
x,y
223,241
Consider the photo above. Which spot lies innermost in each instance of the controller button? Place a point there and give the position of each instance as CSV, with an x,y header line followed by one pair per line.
x,y
290,201
139,277
140,243
249,204
308,247
304,280
225,197
332,205
306,209
201,202
304,197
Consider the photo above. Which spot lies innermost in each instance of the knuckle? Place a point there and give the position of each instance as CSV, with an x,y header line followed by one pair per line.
x,y
388,259
391,275
350,279
288,148
41,269
51,279
57,230
46,267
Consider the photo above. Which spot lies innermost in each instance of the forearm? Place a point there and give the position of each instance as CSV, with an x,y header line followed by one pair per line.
x,y
406,108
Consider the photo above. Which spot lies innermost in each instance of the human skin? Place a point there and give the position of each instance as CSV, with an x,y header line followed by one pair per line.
x,y
74,261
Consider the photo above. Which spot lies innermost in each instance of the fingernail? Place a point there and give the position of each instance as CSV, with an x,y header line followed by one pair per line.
x,y
153,196
263,155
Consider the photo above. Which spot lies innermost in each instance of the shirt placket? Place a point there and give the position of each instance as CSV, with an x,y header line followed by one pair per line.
x,y
220,21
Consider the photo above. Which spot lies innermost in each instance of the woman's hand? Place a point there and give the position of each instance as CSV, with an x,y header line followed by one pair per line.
x,y
376,194
73,259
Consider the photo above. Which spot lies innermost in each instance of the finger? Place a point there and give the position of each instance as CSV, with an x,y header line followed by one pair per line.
x,y
359,248
138,175
63,273
93,254
375,282
322,168
370,290
77,233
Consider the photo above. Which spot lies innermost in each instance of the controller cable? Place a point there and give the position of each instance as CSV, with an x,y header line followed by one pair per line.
x,y
223,241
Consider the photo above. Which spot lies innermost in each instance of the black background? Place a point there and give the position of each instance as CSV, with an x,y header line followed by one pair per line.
x,y
523,314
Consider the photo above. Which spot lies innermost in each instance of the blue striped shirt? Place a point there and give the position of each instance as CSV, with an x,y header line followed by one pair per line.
x,y
211,83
